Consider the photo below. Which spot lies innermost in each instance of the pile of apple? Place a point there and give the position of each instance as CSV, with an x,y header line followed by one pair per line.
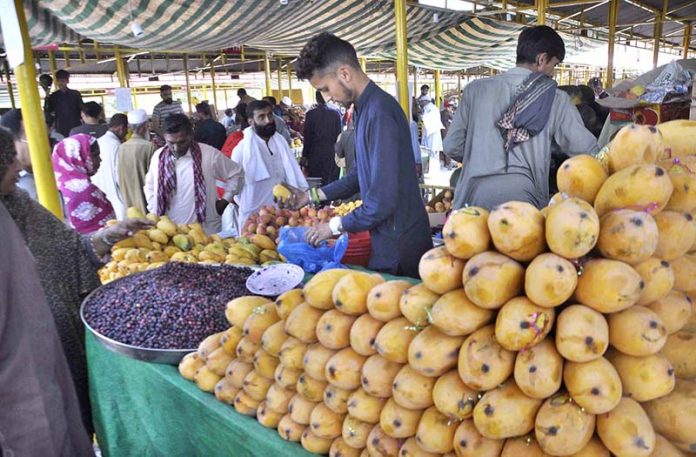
x,y
270,219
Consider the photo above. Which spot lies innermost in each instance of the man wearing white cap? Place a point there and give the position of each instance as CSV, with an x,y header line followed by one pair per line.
x,y
134,160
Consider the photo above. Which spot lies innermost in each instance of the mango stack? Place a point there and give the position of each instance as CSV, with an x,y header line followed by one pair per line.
x,y
564,332
169,242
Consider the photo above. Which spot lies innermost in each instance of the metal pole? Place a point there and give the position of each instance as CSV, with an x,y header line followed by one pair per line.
x,y
660,17
687,39
52,66
34,122
541,11
279,63
613,16
267,70
212,81
438,88
120,67
402,55
459,84
10,92
188,84
289,68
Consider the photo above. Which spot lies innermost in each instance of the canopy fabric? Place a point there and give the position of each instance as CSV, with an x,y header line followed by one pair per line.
x,y
204,25
475,42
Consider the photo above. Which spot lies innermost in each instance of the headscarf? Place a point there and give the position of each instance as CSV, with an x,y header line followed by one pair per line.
x,y
86,205
167,180
529,113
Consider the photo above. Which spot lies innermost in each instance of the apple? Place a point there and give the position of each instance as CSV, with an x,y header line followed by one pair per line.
x,y
261,230
263,211
293,222
304,211
311,212
271,231
266,219
252,228
323,214
281,221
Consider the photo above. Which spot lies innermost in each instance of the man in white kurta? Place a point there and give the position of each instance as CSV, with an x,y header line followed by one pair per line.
x,y
182,202
432,126
266,159
106,177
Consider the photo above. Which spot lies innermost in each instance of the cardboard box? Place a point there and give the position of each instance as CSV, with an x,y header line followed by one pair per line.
x,y
437,219
651,114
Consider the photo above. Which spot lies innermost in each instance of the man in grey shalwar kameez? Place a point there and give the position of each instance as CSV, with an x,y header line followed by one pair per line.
x,y
39,412
490,175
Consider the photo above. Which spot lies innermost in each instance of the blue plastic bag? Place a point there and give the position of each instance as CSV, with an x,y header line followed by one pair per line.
x,y
312,259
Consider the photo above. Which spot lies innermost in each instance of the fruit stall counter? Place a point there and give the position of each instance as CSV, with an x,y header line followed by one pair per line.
x,y
148,409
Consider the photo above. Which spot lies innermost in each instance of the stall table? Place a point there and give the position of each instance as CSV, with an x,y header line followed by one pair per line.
x,y
147,409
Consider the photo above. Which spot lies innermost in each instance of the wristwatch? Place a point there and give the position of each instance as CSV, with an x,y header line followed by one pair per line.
x,y
336,225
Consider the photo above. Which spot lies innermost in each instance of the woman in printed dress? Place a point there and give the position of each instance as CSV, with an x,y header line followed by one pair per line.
x,y
75,160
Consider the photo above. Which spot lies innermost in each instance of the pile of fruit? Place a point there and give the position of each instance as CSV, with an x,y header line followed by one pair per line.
x,y
441,205
270,219
345,209
567,331
296,143
169,242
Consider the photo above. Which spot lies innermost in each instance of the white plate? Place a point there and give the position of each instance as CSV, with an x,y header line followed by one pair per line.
x,y
275,279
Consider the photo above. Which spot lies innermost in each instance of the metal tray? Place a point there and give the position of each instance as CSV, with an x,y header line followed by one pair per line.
x,y
163,356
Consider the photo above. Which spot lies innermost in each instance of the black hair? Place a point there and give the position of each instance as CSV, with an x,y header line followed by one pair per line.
x,y
271,99
594,82
228,112
92,109
175,123
12,121
165,87
46,80
256,105
424,86
537,40
241,115
241,91
118,120
204,108
324,51
62,74
319,98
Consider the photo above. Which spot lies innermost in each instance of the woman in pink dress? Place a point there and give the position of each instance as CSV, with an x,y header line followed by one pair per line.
x,y
75,160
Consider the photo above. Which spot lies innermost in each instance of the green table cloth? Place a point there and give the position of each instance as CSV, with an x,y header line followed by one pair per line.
x,y
146,409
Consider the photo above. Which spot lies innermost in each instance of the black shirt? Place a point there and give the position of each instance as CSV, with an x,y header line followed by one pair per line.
x,y
212,133
65,107
95,130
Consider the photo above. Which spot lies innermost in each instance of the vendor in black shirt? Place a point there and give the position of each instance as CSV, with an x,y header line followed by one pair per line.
x,y
64,104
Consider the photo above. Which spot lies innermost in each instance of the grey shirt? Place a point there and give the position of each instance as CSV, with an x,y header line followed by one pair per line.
x,y
282,128
474,140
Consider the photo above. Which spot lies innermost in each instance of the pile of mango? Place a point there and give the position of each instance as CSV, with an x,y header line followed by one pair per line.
x,y
345,209
169,242
565,332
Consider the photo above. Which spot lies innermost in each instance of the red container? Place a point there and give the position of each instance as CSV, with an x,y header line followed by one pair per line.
x,y
359,249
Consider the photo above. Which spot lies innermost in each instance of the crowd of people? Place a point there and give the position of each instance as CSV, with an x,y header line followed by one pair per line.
x,y
503,133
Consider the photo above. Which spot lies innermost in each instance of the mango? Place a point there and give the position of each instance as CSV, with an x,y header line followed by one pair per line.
x,y
453,398
411,448
440,271
674,415
379,444
343,369
318,290
325,423
468,442
594,385
134,213
336,399
364,407
183,242
538,370
239,309
265,364
517,230
218,360
286,377
683,197
412,390
635,145
416,302
677,233
505,412
363,334
189,364
261,318
350,292
377,376
394,338
432,353
206,379
311,389
521,324
684,269
267,417
627,235
355,432
562,427
300,409
302,323
627,430
236,372
209,344
550,280
288,301
491,279
315,360
383,299
339,448
572,228
167,226
637,331
582,334
643,378
292,353
333,329
581,176
225,391
608,286
312,443
679,351
638,187
455,315
435,431
483,362
290,430
273,338
658,278
466,232
674,310
679,137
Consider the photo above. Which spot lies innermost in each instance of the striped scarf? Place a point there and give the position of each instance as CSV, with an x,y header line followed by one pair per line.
x,y
530,111
167,180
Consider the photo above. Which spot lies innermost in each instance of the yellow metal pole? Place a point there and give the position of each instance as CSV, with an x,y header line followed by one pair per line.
x,y
541,11
279,63
267,70
212,81
363,64
120,67
10,92
52,66
402,55
289,80
660,17
438,88
188,84
687,39
459,84
34,122
613,16
415,81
